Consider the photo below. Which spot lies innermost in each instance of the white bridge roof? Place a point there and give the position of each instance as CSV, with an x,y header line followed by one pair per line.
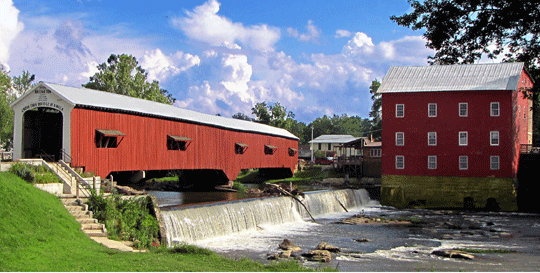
x,y
95,98
471,77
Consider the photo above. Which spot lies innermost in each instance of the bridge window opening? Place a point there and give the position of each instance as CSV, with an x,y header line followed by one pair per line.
x,y
269,149
108,138
240,148
292,151
179,143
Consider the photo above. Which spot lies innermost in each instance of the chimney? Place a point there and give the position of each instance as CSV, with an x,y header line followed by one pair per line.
x,y
371,137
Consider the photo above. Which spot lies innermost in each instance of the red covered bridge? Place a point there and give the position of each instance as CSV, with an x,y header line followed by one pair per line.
x,y
109,133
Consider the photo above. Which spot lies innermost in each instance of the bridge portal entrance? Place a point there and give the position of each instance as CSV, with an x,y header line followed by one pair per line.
x,y
42,133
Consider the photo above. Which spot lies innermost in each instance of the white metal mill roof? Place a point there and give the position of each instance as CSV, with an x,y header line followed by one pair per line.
x,y
95,98
471,77
333,139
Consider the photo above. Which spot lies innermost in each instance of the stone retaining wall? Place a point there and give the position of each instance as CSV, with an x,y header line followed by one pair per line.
x,y
53,188
447,192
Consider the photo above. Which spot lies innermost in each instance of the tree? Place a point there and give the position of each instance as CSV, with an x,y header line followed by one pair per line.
x,y
274,114
261,111
375,114
242,116
277,115
6,113
461,31
121,75
23,82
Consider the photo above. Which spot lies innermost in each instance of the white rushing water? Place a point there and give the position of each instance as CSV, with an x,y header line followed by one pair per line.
x,y
192,224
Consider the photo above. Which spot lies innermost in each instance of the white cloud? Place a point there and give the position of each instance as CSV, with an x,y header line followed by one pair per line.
x,y
340,33
161,67
239,76
205,25
10,27
312,35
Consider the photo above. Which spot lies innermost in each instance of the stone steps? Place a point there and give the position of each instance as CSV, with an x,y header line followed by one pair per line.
x,y
79,210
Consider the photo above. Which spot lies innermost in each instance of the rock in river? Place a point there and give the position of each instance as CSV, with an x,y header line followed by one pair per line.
x,y
453,254
288,245
318,256
325,246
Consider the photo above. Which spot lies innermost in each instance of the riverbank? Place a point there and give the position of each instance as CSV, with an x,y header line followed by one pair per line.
x,y
38,234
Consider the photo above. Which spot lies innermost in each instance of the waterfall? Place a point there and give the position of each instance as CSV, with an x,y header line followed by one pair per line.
x,y
190,224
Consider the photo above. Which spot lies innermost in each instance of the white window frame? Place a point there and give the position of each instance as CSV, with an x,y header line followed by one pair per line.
x,y
432,113
463,162
432,162
375,153
494,136
400,162
400,139
432,136
495,111
494,162
466,109
463,141
398,111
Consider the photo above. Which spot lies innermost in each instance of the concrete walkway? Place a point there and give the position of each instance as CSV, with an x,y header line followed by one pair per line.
x,y
112,244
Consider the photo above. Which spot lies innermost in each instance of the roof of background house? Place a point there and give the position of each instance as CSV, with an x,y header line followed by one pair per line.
x,y
363,141
95,98
333,139
471,77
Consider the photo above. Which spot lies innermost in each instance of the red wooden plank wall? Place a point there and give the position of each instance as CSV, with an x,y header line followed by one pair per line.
x,y
145,146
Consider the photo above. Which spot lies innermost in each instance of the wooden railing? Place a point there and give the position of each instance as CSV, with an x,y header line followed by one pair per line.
x,y
82,187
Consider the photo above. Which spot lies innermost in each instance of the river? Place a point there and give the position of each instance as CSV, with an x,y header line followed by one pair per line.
x,y
389,247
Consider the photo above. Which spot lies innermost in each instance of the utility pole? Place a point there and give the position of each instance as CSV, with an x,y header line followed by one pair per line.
x,y
312,144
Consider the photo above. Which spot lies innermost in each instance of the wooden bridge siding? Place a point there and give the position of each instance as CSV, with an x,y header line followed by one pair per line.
x,y
145,145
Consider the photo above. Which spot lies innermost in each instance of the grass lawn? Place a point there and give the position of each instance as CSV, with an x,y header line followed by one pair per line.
x,y
38,234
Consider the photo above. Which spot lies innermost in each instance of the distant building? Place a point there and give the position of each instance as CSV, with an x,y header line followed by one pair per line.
x,y
452,134
328,144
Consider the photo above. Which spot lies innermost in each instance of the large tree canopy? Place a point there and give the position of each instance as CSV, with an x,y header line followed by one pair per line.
x,y
121,75
6,113
462,30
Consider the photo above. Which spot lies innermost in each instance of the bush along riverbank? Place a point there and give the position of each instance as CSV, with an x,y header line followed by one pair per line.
x,y
129,219
38,234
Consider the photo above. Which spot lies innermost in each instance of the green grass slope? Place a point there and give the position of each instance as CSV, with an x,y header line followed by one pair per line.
x,y
38,234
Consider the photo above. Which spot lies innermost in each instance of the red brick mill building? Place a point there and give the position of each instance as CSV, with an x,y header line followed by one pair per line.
x,y
452,134
107,133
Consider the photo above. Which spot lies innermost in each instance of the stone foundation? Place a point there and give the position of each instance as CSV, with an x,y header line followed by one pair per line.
x,y
448,192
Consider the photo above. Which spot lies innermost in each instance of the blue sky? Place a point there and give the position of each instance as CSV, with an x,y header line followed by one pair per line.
x,y
313,57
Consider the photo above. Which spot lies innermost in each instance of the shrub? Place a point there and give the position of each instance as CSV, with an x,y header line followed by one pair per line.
x,y
44,178
34,174
126,219
23,171
239,186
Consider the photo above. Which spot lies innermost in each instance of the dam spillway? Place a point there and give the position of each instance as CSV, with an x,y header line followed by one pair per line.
x,y
194,223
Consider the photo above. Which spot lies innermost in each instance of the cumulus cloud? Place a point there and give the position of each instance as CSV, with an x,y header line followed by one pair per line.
x,y
10,27
205,25
69,38
312,35
161,67
340,33
62,50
